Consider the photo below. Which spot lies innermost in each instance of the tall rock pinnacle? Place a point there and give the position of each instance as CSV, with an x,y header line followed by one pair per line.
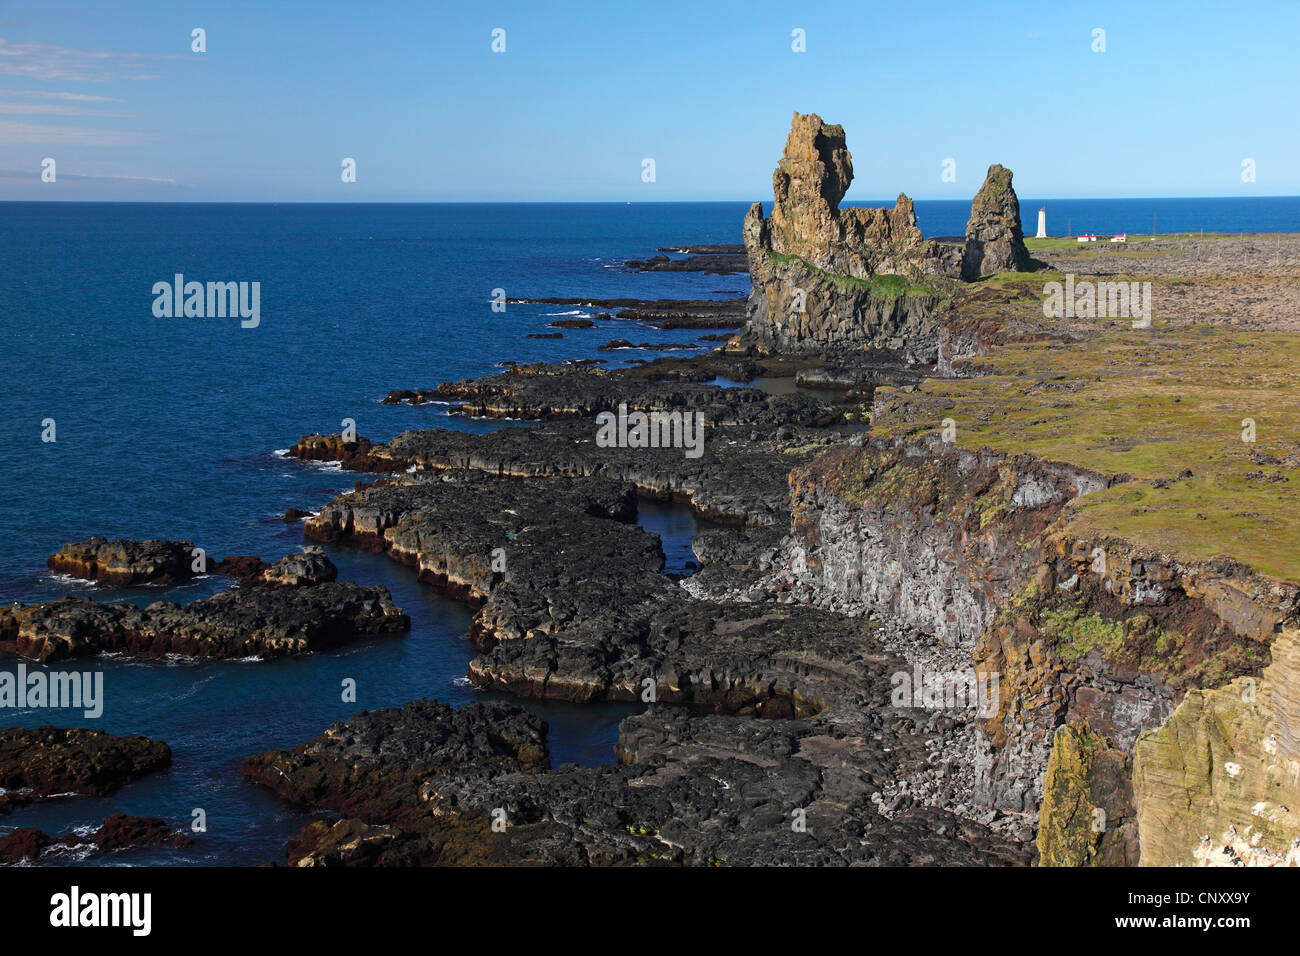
x,y
811,178
994,241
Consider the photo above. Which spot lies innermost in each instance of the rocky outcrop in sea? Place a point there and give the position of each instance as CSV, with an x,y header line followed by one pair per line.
x,y
43,762
301,609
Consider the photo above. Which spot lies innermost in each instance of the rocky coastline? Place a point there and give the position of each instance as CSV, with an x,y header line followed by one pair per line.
x,y
937,502
898,546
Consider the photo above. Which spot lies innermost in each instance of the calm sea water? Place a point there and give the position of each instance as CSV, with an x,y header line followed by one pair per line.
x,y
167,428
1137,216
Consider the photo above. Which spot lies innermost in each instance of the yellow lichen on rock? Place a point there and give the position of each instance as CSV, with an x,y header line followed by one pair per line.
x,y
1086,818
1219,783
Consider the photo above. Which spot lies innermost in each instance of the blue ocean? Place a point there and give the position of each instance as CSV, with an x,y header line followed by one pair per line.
x,y
169,428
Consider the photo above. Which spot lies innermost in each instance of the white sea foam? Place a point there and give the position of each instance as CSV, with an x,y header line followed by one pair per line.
x,y
193,689
70,579
177,659
76,851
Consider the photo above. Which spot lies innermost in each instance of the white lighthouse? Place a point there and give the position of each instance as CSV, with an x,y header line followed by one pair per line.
x,y
1042,223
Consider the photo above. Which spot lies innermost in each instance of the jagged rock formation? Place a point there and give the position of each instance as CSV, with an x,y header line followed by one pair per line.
x,y
994,241
354,455
890,525
826,277
425,783
806,222
127,562
795,700
1087,817
440,528
737,480
1102,647
297,570
812,264
553,392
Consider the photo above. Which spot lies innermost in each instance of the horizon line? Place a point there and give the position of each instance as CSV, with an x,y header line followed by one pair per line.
x,y
571,202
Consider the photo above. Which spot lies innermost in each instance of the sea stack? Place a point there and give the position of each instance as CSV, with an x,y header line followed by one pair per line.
x,y
994,241
826,277
811,178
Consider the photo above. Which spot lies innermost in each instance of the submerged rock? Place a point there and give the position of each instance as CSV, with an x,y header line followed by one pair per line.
x,y
662,313
354,455
713,263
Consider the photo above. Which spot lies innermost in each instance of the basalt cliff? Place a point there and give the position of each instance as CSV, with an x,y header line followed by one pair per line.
x,y
1084,510
1075,508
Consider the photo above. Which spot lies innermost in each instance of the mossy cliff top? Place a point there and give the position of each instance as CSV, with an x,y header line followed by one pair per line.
x,y
1204,423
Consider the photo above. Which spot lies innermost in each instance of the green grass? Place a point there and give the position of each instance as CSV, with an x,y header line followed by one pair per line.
x,y
1078,635
1072,242
884,285
1162,406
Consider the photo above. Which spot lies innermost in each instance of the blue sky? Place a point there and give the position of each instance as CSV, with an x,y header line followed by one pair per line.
x,y
1184,92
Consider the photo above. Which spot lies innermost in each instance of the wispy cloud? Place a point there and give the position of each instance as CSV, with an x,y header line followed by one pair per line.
x,y
27,176
17,131
48,61
54,109
61,95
